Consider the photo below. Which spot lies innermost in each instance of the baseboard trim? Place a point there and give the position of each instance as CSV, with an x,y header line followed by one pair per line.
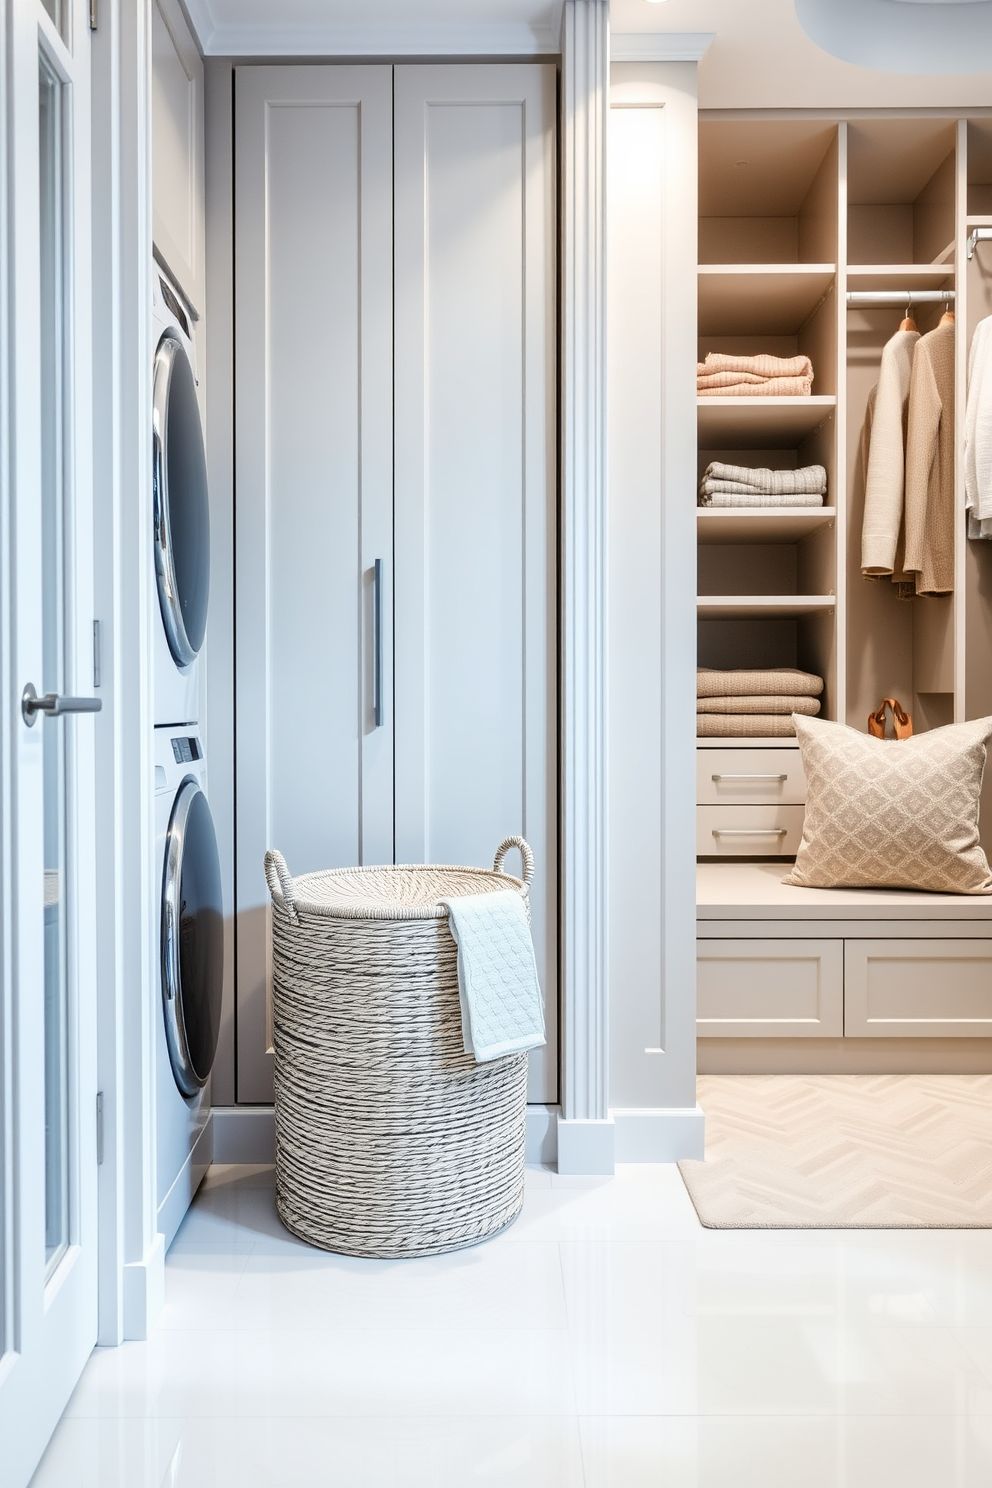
x,y
172,1210
659,1135
247,1134
586,1147
144,1291
649,1136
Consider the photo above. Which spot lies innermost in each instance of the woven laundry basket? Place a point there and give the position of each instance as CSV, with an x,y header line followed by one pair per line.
x,y
390,1139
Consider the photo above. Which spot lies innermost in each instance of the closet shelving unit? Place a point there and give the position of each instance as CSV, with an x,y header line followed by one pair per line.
x,y
810,210
796,213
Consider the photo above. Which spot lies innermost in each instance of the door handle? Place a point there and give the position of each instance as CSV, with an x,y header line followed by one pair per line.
x,y
377,643
54,705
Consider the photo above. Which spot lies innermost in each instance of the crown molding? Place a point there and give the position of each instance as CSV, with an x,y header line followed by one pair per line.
x,y
497,39
201,22
660,46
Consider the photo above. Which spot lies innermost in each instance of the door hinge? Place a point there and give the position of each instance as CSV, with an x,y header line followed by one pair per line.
x,y
99,1127
97,638
94,18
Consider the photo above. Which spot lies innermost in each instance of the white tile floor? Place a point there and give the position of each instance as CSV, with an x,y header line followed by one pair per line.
x,y
606,1340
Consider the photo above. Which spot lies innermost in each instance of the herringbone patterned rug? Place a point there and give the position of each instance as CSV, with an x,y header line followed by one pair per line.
x,y
844,1152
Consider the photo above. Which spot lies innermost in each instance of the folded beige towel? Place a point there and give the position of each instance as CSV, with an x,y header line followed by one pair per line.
x,y
744,497
749,682
762,365
787,703
811,479
744,726
775,387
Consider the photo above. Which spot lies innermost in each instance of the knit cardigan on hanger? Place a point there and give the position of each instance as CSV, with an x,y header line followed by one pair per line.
x,y
978,433
929,559
885,473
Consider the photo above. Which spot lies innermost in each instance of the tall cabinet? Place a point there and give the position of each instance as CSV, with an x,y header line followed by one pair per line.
x,y
395,309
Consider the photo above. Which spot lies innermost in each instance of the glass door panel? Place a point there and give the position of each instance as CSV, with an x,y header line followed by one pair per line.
x,y
53,339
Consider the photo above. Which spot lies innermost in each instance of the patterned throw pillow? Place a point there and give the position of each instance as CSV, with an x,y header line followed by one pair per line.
x,y
897,814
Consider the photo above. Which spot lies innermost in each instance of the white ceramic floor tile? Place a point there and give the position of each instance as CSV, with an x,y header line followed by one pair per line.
x,y
697,1358
772,1452
489,1286
112,1453
200,1287
445,1452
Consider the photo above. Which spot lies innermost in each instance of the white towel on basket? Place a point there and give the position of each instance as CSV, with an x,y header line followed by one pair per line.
x,y
502,1008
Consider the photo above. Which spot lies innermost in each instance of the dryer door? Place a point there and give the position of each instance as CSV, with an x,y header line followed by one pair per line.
x,y
192,939
182,520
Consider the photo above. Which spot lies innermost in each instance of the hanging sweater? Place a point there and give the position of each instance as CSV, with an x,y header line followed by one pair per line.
x,y
885,468
978,433
930,464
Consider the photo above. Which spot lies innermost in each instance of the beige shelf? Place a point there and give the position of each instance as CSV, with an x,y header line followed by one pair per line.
x,y
760,423
777,741
900,276
756,525
760,299
761,606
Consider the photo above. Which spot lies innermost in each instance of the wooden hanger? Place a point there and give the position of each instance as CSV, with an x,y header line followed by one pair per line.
x,y
908,323
947,318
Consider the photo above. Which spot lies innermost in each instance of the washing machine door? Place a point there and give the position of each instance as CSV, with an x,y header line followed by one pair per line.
x,y
182,519
192,939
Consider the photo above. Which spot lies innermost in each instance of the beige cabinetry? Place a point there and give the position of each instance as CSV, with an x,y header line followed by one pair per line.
x,y
910,973
804,224
918,988
770,988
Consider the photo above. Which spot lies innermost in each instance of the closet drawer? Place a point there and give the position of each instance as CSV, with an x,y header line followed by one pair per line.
x,y
751,777
732,831
918,988
770,988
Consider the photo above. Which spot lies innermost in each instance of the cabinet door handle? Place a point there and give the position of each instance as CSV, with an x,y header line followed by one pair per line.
x,y
779,779
377,643
750,831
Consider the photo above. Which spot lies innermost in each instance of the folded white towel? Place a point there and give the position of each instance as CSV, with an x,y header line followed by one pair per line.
x,y
809,478
502,1007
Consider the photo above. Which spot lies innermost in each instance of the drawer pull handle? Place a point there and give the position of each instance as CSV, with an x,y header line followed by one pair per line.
x,y
779,779
750,831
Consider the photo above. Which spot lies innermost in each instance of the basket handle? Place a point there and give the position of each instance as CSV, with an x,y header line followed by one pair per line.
x,y
280,883
526,857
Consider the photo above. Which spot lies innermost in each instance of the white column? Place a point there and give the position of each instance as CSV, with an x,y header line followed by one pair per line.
x,y
585,1133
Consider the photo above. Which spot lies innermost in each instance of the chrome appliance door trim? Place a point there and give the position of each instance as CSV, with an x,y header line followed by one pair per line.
x,y
184,648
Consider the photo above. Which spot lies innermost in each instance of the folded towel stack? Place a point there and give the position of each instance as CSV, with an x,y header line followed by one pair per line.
x,y
753,704
764,376
740,485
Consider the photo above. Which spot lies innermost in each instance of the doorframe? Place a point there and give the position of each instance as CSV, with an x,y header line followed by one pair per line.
x,y
131,1254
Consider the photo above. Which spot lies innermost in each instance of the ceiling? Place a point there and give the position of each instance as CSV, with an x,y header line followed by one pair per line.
x,y
760,57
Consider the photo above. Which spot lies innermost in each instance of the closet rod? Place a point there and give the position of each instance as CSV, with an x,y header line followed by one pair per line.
x,y
976,236
899,296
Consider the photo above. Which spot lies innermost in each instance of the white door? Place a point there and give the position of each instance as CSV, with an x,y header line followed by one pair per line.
x,y
476,486
48,1134
314,369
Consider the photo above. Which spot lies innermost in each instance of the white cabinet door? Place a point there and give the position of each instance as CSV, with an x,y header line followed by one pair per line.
x,y
314,369
476,591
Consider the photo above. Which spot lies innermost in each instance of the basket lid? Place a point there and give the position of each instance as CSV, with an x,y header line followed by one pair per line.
x,y
410,891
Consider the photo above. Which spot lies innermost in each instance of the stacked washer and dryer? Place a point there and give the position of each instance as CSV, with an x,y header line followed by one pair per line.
x,y
191,905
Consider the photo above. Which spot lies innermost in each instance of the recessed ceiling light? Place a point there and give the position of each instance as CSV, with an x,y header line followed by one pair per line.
x,y
739,163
